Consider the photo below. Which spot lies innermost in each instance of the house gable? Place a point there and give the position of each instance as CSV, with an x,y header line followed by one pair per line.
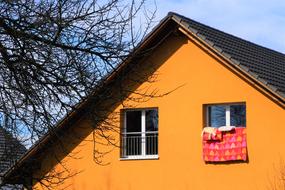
x,y
194,78
201,80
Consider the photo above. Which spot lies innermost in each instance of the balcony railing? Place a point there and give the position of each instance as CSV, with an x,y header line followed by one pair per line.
x,y
139,144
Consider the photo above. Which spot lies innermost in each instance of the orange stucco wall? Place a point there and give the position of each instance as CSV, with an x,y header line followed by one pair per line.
x,y
202,80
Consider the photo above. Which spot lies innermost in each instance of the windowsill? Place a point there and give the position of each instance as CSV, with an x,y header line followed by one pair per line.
x,y
152,157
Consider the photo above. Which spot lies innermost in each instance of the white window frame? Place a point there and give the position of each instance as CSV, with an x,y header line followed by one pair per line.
x,y
227,112
143,131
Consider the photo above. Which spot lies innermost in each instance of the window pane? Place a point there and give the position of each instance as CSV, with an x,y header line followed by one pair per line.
x,y
151,120
133,138
151,132
133,121
217,116
238,115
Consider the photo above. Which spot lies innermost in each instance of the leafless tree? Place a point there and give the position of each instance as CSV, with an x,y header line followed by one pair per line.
x,y
53,53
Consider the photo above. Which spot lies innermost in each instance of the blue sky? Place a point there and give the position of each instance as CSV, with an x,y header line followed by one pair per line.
x,y
259,21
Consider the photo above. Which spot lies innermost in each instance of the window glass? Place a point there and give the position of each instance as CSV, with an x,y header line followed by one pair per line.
x,y
217,116
151,120
238,115
151,136
133,121
133,136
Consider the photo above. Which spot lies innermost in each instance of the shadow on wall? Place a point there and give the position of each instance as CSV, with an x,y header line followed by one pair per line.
x,y
99,119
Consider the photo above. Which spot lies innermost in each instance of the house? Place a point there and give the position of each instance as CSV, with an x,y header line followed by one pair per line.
x,y
192,108
10,151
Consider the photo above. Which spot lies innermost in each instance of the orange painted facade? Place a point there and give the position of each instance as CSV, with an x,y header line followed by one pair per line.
x,y
198,79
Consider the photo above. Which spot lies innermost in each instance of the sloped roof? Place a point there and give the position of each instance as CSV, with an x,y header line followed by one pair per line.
x,y
267,65
10,150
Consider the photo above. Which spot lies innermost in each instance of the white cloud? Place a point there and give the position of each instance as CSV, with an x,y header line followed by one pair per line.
x,y
259,21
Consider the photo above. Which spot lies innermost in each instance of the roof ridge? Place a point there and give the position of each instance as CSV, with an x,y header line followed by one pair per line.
x,y
219,30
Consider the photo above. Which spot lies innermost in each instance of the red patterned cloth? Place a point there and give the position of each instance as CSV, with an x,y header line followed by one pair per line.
x,y
232,146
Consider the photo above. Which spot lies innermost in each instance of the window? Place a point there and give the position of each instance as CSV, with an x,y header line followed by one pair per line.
x,y
226,115
224,137
140,134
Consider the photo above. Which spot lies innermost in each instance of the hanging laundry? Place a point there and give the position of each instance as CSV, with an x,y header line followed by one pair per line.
x,y
232,146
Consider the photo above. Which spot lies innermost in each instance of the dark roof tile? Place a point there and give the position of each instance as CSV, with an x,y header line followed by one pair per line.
x,y
10,150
